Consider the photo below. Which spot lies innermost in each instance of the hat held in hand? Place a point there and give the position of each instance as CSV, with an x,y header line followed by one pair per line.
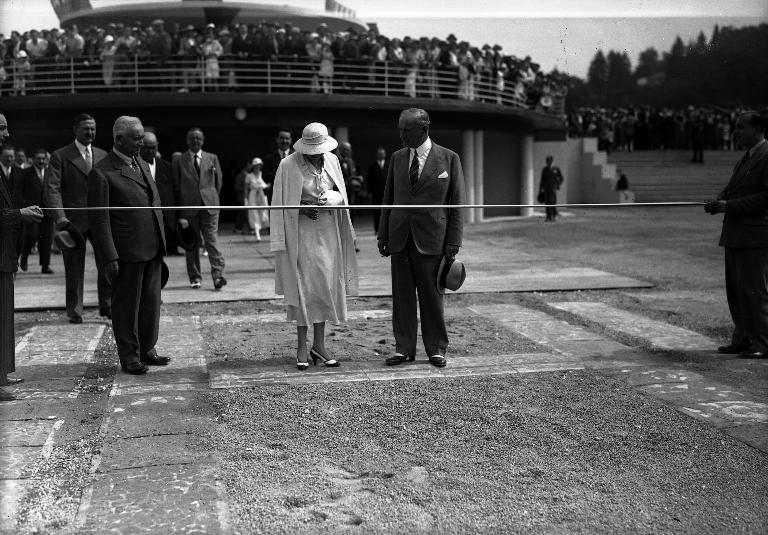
x,y
69,237
185,236
450,275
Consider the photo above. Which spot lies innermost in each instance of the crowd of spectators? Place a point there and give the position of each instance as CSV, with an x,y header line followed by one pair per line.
x,y
223,58
656,128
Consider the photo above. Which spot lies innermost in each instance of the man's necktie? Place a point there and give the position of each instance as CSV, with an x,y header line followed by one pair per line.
x,y
197,165
88,159
135,167
413,171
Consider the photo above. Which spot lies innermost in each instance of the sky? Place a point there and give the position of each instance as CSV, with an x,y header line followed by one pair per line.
x,y
563,34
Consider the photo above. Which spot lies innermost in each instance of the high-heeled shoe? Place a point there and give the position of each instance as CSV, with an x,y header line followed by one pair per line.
x,y
302,366
316,355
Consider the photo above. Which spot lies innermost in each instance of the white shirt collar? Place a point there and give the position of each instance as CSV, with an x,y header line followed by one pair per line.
x,y
82,147
425,147
754,148
199,154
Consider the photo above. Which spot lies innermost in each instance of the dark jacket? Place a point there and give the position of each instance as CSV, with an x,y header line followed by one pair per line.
x,y
66,184
375,180
125,235
551,178
32,187
745,225
441,182
164,183
10,222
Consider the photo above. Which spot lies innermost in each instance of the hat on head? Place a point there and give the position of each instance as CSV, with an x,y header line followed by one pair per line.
x,y
69,237
108,39
21,54
450,275
315,140
257,161
451,37
185,236
157,21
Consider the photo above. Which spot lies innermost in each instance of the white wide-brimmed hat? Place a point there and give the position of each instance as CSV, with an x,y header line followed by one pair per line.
x,y
257,161
315,140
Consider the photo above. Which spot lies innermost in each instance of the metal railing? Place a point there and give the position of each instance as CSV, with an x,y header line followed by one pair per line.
x,y
141,75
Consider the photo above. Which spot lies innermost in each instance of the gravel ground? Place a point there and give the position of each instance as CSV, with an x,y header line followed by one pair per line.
x,y
554,453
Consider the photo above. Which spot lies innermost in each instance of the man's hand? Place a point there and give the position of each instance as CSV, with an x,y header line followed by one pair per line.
x,y
451,251
384,248
31,214
111,269
184,223
715,207
61,223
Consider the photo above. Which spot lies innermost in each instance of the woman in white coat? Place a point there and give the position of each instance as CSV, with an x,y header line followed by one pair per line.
x,y
315,263
255,196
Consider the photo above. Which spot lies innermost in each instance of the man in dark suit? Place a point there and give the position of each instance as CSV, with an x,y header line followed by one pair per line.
x,y
130,244
161,173
33,178
11,174
421,173
744,201
66,186
375,179
197,181
11,217
273,159
551,180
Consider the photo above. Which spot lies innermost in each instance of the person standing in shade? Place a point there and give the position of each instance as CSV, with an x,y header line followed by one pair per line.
x,y
273,159
66,187
551,180
422,172
197,181
375,179
255,195
33,178
161,173
744,201
131,244
11,217
315,262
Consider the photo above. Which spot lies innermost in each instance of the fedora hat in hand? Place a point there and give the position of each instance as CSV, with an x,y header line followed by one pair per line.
x,y
315,140
164,274
69,237
450,275
185,237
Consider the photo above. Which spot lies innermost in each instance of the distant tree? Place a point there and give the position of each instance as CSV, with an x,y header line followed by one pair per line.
x,y
597,77
619,79
674,60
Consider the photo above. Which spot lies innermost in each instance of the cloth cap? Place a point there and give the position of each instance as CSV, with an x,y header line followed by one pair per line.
x,y
450,275
315,140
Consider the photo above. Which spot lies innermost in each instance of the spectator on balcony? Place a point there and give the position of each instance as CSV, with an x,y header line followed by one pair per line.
x,y
74,43
107,58
35,46
227,70
189,53
242,49
22,71
447,68
325,73
211,51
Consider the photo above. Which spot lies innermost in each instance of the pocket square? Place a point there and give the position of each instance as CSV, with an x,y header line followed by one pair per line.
x,y
444,174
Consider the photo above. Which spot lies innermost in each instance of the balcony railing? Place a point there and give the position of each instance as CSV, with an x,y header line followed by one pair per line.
x,y
139,75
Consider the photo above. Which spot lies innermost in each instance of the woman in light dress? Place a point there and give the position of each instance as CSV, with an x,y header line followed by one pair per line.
x,y
315,263
211,51
254,196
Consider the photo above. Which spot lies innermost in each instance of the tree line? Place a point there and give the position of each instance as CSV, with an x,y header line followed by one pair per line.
x,y
729,69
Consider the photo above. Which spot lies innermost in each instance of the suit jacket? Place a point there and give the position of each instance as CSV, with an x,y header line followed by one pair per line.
x,y
32,187
125,235
551,178
271,163
745,224
10,221
441,182
66,184
375,180
191,190
164,184
14,184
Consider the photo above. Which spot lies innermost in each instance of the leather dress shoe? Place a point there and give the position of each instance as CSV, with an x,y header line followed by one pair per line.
x,y
76,319
438,360
750,354
5,396
106,312
155,360
12,381
219,282
135,368
46,270
23,264
398,358
732,349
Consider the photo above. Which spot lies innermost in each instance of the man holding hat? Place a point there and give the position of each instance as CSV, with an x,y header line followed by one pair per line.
x,y
131,244
11,216
66,187
421,241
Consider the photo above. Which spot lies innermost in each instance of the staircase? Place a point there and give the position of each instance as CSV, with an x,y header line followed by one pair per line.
x,y
666,176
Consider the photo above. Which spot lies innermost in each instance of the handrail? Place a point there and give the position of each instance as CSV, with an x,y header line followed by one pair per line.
x,y
122,74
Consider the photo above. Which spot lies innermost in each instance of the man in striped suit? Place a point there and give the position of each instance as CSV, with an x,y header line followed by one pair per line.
x,y
10,217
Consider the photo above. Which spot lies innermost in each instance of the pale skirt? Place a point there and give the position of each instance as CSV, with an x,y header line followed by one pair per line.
x,y
322,294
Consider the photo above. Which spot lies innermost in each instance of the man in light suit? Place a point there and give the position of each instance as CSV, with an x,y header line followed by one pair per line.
x,y
66,186
744,201
130,244
197,180
421,173
161,173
